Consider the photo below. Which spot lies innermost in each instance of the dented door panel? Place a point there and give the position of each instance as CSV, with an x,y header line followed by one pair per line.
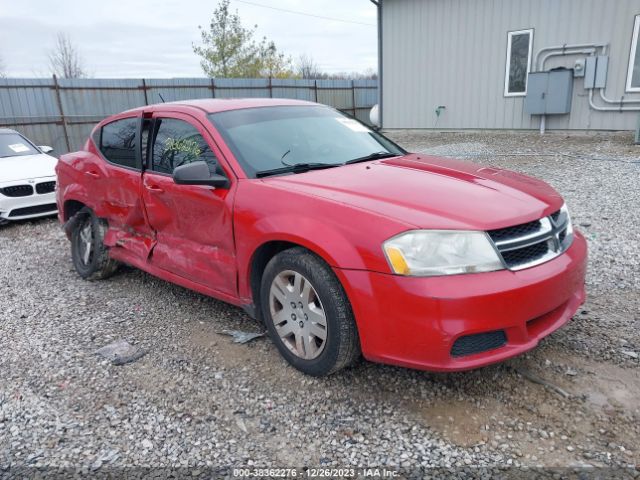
x,y
193,227
119,191
121,206
124,207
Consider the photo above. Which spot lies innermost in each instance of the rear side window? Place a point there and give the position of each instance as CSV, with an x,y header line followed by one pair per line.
x,y
177,143
118,142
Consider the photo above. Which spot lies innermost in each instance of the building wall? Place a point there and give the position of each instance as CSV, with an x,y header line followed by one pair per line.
x,y
453,53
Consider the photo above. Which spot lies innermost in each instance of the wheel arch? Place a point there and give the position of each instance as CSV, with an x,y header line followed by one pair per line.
x,y
261,256
70,208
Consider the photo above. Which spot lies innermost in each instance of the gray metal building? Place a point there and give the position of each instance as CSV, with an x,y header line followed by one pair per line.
x,y
464,64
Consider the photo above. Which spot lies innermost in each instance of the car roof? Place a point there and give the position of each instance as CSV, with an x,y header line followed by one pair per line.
x,y
213,105
7,130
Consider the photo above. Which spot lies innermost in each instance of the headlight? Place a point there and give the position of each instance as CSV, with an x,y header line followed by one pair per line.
x,y
440,252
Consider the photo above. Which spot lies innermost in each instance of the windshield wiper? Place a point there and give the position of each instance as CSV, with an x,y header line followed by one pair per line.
x,y
297,168
372,156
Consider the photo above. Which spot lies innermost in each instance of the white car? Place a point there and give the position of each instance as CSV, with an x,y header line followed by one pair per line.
x,y
27,178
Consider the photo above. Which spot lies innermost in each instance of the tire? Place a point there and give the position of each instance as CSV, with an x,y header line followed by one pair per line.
x,y
297,274
88,232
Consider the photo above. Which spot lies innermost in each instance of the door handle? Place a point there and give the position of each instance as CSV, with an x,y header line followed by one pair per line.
x,y
92,174
153,188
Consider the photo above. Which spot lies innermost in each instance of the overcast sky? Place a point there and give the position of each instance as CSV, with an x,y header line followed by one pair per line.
x,y
152,38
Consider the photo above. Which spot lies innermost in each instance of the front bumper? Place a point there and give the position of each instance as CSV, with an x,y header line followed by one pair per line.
x,y
414,322
30,206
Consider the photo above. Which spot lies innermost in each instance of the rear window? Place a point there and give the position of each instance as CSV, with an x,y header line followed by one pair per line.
x,y
15,145
118,142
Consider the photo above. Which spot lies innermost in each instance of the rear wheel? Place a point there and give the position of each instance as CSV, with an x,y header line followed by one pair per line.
x,y
307,313
90,257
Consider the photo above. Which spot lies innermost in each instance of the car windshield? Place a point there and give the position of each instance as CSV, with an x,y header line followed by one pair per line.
x,y
264,139
15,145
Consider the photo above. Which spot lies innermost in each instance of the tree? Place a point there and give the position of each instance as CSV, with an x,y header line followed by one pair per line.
x,y
3,72
306,67
65,60
229,50
272,63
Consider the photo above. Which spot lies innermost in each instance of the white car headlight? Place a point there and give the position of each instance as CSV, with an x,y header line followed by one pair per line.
x,y
441,252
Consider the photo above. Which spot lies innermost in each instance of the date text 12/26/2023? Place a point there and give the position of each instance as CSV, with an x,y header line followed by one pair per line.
x,y
314,473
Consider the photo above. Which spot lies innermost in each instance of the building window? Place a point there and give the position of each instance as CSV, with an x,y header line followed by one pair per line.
x,y
519,47
633,75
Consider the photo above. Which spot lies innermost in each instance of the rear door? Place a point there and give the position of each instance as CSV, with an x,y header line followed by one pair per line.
x,y
116,182
192,224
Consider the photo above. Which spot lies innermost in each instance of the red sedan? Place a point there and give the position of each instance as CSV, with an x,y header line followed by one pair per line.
x,y
337,239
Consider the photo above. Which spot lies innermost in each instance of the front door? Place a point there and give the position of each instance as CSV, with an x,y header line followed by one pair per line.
x,y
192,223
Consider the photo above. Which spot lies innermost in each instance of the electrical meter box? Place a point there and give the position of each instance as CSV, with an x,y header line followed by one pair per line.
x,y
549,93
595,74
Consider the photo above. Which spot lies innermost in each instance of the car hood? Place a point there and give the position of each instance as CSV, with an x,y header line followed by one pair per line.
x,y
26,167
431,192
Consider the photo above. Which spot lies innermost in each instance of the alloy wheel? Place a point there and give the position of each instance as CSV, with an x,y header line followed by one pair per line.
x,y
297,314
85,242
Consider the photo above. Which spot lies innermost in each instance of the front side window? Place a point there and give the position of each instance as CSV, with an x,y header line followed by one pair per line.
x,y
519,48
177,143
13,144
633,75
118,142
266,138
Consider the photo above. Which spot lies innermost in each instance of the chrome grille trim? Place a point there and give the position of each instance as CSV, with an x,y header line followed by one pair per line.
x,y
518,251
546,229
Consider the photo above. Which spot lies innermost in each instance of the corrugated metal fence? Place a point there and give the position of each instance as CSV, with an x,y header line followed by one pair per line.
x,y
62,112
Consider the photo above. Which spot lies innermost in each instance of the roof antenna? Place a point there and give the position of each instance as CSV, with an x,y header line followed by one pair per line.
x,y
160,95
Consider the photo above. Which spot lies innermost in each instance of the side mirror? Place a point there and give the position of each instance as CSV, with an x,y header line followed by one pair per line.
x,y
45,148
197,173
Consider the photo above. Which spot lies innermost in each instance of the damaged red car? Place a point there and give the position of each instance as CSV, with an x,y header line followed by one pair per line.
x,y
337,239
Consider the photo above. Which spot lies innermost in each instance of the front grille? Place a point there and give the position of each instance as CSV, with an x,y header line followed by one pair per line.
x,y
17,191
529,244
514,232
46,208
45,187
520,256
479,342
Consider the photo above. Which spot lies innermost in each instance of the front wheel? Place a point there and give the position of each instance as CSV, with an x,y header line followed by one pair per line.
x,y
90,257
308,314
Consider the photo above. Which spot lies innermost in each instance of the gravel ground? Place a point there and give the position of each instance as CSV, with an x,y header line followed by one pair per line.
x,y
197,400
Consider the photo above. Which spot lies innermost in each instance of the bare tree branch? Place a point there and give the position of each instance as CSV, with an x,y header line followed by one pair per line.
x,y
3,71
65,60
306,67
